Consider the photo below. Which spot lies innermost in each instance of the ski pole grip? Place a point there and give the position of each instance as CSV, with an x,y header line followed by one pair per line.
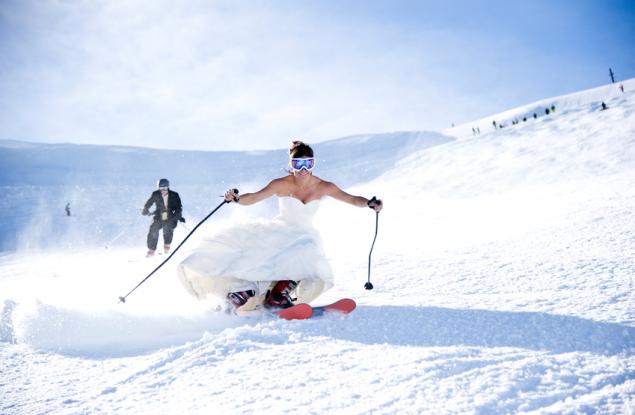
x,y
235,191
371,201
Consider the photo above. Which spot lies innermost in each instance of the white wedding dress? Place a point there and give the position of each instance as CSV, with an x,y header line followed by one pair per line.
x,y
251,255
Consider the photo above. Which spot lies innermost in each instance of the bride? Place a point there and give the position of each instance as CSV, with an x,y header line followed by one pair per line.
x,y
271,263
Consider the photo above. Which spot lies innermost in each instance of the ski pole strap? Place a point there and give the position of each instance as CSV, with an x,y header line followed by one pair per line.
x,y
374,239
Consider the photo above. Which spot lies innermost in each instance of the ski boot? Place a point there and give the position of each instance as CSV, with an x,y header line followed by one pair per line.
x,y
240,298
280,295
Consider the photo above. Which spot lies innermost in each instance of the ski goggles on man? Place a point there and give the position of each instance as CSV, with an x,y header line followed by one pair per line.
x,y
306,164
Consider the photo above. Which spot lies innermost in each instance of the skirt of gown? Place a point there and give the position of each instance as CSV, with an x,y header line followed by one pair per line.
x,y
252,255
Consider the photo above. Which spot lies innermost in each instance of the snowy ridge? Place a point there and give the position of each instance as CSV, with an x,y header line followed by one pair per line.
x,y
67,165
504,283
583,101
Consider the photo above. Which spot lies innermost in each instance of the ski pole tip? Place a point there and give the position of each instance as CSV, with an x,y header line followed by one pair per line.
x,y
368,286
122,299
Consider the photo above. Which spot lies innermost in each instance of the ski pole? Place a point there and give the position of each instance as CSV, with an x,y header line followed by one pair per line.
x,y
369,285
123,299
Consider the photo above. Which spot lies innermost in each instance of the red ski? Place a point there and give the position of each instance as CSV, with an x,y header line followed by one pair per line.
x,y
297,312
343,306
304,311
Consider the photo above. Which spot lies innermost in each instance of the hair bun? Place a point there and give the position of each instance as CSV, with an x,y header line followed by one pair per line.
x,y
295,144
300,149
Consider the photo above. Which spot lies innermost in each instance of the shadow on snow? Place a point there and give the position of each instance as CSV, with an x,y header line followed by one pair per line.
x,y
434,326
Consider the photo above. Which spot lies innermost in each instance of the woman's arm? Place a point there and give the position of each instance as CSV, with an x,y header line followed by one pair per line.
x,y
251,198
359,201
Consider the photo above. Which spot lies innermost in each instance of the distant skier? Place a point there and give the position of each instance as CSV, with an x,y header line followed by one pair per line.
x,y
67,209
167,213
604,106
494,124
622,88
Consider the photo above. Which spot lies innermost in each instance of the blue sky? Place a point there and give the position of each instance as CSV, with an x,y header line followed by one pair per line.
x,y
240,75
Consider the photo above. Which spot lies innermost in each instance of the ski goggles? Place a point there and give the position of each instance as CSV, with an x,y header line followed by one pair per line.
x,y
306,164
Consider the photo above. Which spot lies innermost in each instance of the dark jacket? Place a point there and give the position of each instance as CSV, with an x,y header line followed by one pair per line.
x,y
174,208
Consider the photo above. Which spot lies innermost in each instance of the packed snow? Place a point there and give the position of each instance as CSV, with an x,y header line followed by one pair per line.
x,y
503,274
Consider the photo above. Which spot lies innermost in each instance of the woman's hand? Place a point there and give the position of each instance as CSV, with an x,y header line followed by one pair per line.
x,y
375,204
231,195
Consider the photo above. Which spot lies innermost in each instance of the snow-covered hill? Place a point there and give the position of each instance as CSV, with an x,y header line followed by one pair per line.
x,y
503,277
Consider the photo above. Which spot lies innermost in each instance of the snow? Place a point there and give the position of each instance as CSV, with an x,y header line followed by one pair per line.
x,y
503,275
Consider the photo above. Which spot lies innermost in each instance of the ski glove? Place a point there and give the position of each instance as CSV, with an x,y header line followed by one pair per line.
x,y
232,195
374,203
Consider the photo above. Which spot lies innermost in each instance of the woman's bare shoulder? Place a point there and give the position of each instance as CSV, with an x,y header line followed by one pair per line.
x,y
326,187
279,180
281,183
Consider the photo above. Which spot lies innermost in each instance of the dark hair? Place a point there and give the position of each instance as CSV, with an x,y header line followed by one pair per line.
x,y
299,149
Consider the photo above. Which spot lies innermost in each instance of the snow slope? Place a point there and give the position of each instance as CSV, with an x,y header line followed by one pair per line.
x,y
503,277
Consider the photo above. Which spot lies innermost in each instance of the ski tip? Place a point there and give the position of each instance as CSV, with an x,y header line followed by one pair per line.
x,y
344,306
348,303
297,312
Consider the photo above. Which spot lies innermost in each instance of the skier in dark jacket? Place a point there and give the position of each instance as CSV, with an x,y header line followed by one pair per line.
x,y
167,213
